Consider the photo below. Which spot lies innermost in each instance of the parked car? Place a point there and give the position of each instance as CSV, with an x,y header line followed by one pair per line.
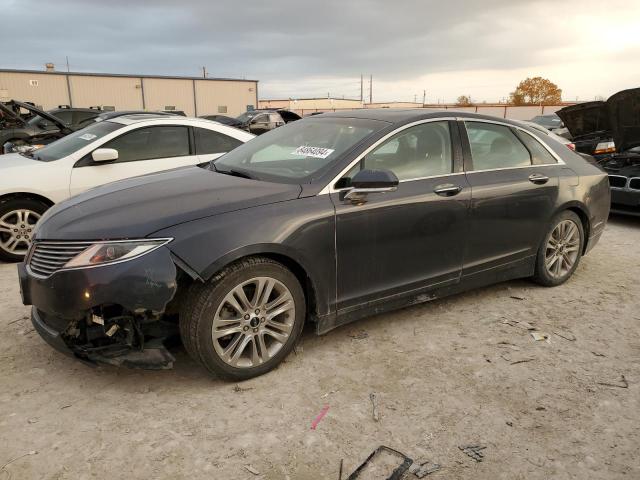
x,y
224,119
623,165
325,220
589,126
262,121
41,128
121,147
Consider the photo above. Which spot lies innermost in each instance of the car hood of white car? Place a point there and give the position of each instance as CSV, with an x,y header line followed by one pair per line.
x,y
12,160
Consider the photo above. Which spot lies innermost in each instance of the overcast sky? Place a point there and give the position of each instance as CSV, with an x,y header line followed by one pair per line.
x,y
299,48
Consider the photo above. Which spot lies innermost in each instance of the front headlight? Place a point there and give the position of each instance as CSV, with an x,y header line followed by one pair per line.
x,y
104,253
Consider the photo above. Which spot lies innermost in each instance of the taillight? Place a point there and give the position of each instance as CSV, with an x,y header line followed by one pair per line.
x,y
571,146
605,147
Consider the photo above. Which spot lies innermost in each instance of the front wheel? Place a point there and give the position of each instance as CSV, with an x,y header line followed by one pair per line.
x,y
18,217
561,250
244,321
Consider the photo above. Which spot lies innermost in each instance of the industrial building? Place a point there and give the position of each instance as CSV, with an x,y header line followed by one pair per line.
x,y
196,96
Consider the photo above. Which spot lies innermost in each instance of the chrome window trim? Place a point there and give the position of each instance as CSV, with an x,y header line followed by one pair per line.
x,y
535,136
329,188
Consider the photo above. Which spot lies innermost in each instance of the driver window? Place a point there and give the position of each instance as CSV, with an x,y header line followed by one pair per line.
x,y
417,152
151,143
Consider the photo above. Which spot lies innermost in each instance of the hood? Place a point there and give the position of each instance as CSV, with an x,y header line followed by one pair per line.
x,y
140,206
624,116
47,116
11,161
9,114
585,118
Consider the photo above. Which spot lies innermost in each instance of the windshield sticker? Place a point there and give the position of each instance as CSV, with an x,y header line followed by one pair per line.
x,y
315,152
88,136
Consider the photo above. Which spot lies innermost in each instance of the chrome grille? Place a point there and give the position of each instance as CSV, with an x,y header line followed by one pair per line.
x,y
46,258
617,181
634,184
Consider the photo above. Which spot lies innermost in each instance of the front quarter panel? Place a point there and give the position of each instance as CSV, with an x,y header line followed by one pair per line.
x,y
300,230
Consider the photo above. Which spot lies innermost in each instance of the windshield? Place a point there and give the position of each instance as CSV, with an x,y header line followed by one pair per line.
x,y
246,116
73,142
295,152
549,121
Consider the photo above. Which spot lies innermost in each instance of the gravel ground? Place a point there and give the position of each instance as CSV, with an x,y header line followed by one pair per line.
x,y
458,371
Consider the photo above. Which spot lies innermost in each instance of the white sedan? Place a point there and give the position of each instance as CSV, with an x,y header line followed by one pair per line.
x,y
103,152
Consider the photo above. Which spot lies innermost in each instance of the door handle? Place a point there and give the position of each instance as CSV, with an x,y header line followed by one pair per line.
x,y
447,190
538,178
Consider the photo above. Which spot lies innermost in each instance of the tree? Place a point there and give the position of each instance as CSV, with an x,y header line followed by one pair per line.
x,y
536,91
464,101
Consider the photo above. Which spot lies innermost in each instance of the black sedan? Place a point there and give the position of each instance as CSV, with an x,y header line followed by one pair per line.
x,y
325,220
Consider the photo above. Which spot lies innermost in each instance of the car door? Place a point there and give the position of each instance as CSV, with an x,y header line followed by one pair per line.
x,y
211,144
140,151
514,184
410,239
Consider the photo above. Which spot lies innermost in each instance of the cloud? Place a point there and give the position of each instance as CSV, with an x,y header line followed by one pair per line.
x,y
299,48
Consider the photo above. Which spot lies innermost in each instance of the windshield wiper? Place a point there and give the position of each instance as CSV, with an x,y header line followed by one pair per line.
x,y
234,173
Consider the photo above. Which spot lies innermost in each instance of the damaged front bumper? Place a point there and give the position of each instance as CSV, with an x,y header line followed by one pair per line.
x,y
112,314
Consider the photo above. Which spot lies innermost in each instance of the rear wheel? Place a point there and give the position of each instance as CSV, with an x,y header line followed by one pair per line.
x,y
246,320
18,217
561,250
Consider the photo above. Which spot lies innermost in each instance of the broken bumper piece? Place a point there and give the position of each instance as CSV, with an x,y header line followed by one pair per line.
x,y
112,314
121,342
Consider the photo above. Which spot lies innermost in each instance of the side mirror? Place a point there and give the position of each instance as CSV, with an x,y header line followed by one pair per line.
x,y
371,181
104,155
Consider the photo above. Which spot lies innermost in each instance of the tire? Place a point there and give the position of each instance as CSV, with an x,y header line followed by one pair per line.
x,y
18,217
560,252
256,343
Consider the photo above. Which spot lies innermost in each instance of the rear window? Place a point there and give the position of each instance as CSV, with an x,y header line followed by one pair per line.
x,y
210,141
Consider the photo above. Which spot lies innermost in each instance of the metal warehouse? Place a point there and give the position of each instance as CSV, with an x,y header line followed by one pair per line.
x,y
193,95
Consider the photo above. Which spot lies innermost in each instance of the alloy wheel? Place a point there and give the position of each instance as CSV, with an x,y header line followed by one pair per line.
x,y
253,322
16,230
562,249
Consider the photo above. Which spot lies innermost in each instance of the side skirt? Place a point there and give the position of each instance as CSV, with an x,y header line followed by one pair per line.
x,y
519,269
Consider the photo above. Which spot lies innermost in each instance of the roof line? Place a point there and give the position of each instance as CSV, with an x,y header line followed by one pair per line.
x,y
308,98
123,75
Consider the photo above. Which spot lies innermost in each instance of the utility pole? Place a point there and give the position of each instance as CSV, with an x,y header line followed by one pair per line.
x,y
424,97
415,98
204,72
361,88
67,63
371,88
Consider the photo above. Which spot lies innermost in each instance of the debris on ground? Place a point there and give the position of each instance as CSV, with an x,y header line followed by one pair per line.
x,y
522,360
340,471
374,404
423,469
298,349
359,335
383,464
320,416
518,297
566,334
325,395
518,323
622,384
252,470
473,451
32,452
598,354
538,336
237,388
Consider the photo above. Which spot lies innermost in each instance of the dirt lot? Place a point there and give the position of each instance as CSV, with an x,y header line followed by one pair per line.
x,y
453,372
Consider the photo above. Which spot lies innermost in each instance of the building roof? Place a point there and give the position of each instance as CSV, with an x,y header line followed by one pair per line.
x,y
123,75
292,99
